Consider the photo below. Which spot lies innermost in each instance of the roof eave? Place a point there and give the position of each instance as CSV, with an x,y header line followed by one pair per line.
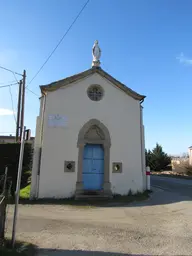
x,y
56,85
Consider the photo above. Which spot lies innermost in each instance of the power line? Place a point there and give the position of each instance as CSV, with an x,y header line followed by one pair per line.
x,y
13,132
59,42
12,104
7,132
8,82
32,92
15,78
7,85
10,71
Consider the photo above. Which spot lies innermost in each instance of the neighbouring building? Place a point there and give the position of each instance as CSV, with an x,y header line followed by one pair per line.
x,y
11,139
190,155
89,137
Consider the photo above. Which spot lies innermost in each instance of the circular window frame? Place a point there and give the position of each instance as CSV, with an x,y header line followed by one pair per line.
x,y
96,86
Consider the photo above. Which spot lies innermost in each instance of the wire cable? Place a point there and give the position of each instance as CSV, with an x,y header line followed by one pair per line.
x,y
10,71
12,104
7,85
7,132
10,82
59,42
15,78
32,92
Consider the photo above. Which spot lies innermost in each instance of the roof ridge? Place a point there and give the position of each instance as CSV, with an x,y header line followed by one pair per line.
x,y
68,80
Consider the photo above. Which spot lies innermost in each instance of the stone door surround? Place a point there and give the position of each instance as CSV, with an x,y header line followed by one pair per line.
x,y
94,132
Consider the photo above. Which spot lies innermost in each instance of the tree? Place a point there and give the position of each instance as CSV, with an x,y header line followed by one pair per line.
x,y
157,159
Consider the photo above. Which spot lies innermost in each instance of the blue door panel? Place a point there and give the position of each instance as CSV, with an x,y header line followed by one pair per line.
x,y
97,152
98,165
92,181
93,167
88,152
87,165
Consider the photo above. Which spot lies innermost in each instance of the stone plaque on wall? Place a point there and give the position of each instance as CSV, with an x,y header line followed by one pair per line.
x,y
57,120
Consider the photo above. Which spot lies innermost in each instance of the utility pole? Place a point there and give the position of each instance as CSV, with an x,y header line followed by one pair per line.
x,y
18,185
22,139
21,97
23,104
18,112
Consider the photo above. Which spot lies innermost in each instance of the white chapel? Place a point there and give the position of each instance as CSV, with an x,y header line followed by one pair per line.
x,y
89,137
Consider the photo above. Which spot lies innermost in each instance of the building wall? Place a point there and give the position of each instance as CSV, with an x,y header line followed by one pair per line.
x,y
190,156
119,112
11,139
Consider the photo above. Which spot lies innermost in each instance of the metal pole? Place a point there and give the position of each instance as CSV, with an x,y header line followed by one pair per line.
x,y
5,180
18,111
23,102
148,173
18,186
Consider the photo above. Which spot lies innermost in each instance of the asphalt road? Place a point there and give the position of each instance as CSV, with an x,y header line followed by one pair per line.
x,y
179,186
161,225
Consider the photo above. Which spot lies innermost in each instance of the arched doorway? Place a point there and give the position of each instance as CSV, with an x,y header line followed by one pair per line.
x,y
93,167
94,158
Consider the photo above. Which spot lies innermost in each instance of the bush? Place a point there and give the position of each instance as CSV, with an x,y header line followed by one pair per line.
x,y
189,170
9,156
182,167
157,159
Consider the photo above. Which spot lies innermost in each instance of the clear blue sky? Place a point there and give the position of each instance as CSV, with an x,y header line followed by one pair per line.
x,y
145,44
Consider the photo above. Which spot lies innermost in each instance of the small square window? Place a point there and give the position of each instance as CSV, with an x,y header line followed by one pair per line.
x,y
69,166
117,167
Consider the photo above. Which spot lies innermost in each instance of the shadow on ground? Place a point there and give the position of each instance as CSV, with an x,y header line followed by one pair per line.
x,y
89,202
160,197
59,252
172,192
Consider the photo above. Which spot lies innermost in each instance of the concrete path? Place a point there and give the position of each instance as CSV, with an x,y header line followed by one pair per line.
x,y
159,226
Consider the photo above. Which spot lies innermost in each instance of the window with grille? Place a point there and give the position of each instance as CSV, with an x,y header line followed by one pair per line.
x,y
95,92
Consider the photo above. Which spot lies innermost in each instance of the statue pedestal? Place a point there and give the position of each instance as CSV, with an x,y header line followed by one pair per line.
x,y
96,63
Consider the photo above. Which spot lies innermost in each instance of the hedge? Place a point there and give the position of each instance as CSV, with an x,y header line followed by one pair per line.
x,y
9,156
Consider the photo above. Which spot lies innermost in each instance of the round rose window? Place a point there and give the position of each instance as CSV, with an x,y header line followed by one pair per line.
x,y
95,92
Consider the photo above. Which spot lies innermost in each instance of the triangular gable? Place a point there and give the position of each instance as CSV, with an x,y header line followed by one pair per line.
x,y
61,83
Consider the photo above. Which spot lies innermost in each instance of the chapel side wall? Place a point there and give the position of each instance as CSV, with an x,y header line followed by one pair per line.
x,y
36,152
119,112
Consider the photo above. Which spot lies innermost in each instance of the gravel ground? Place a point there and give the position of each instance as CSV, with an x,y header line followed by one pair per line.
x,y
160,225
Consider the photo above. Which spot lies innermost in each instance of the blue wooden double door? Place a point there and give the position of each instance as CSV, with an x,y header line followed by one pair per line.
x,y
93,167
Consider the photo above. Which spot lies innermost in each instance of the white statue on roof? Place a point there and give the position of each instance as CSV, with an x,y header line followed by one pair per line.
x,y
96,52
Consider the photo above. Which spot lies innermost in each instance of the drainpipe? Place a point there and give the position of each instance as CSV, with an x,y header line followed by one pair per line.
x,y
142,142
41,139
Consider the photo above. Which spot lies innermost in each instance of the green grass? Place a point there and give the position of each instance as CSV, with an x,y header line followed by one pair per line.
x,y
131,197
25,192
117,199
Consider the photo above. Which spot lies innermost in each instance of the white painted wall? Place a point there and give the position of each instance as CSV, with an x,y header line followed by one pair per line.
x,y
119,112
36,155
190,156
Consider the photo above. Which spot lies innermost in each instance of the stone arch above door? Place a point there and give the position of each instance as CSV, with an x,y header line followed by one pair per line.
x,y
95,127
94,132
